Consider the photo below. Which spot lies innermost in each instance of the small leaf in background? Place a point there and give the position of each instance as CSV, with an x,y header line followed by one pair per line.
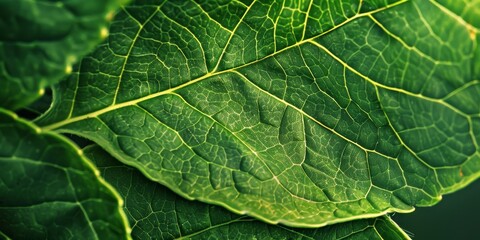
x,y
41,40
48,190
155,212
304,113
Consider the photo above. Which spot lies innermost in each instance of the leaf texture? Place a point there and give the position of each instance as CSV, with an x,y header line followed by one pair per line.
x,y
305,113
41,40
155,212
48,190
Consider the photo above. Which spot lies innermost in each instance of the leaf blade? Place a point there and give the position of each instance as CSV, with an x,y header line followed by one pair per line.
x,y
49,189
40,41
284,134
147,203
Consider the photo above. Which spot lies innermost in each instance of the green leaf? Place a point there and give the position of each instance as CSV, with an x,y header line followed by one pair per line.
x,y
3,236
157,213
304,113
49,190
40,40
37,108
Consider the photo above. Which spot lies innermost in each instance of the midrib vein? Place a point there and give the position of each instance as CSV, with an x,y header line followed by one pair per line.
x,y
128,103
113,107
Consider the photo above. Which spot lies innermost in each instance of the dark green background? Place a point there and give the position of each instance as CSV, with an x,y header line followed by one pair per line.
x,y
455,217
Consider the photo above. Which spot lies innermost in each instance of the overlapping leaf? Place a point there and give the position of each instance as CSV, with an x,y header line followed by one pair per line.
x,y
40,40
48,190
301,112
157,213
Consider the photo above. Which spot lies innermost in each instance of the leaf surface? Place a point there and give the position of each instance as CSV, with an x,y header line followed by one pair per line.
x,y
49,190
305,113
155,212
41,40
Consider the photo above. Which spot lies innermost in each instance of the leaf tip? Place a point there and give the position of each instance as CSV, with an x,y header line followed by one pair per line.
x,y
68,69
121,202
103,32
109,16
37,130
95,171
70,60
14,115
472,33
